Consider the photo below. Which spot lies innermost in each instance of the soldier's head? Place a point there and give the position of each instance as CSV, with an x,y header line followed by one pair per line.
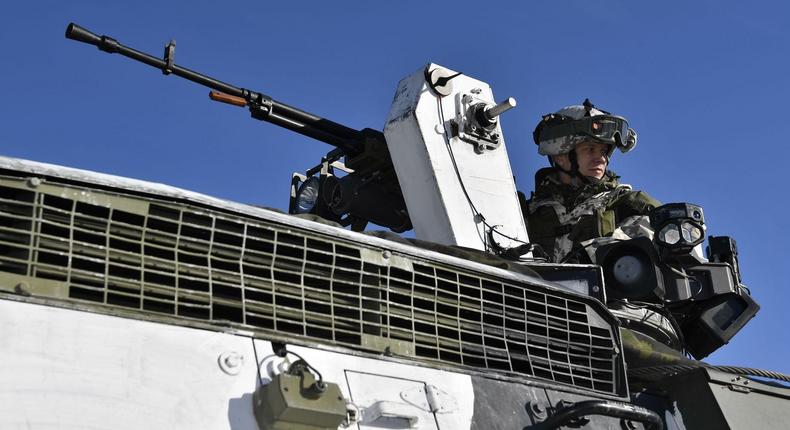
x,y
579,140
592,158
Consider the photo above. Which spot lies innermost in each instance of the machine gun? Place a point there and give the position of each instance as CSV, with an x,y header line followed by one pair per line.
x,y
369,193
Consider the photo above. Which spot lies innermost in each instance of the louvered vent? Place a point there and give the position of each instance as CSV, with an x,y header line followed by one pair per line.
x,y
153,256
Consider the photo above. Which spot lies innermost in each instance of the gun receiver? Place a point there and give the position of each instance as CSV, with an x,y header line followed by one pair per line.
x,y
365,150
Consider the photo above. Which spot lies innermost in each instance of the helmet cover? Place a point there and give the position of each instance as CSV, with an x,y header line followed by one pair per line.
x,y
560,132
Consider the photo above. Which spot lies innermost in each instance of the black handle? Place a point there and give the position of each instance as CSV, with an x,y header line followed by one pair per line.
x,y
608,408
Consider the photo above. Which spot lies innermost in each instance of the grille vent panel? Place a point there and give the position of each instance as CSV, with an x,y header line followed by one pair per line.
x,y
190,262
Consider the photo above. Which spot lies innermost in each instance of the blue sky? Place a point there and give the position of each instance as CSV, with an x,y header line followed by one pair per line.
x,y
705,84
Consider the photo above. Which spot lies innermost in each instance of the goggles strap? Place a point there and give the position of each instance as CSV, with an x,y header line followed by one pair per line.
x,y
559,126
574,173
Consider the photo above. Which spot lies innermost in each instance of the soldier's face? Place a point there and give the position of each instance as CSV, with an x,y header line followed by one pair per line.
x,y
591,157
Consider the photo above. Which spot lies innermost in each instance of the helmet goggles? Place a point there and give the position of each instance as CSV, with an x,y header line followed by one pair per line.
x,y
608,129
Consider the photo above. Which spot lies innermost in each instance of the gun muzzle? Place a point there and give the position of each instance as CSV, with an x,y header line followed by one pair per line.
x,y
75,32
105,43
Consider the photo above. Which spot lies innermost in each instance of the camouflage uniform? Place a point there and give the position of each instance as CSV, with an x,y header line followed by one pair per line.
x,y
560,216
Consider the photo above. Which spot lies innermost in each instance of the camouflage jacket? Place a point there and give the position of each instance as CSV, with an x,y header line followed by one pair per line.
x,y
560,216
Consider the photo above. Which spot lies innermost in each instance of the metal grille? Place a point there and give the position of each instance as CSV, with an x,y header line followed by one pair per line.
x,y
185,261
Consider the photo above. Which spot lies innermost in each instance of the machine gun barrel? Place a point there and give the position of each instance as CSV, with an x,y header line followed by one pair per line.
x,y
262,106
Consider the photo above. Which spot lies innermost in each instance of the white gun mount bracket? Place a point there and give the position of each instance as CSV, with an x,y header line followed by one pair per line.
x,y
446,143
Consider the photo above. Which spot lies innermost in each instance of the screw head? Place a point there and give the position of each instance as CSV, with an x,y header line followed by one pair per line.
x,y
231,362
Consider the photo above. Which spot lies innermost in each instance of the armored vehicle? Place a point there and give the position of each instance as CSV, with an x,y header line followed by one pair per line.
x,y
128,304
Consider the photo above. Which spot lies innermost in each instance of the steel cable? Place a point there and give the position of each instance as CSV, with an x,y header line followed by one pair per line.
x,y
675,369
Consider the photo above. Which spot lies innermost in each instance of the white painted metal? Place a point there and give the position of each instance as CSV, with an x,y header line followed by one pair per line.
x,y
419,132
68,369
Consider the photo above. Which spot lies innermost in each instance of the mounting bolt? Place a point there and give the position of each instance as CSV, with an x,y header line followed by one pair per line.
x,y
21,289
537,409
231,362
596,288
34,182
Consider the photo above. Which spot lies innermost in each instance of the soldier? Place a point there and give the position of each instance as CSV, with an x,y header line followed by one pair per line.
x,y
577,198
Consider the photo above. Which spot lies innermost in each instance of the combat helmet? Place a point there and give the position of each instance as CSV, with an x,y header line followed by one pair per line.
x,y
560,132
